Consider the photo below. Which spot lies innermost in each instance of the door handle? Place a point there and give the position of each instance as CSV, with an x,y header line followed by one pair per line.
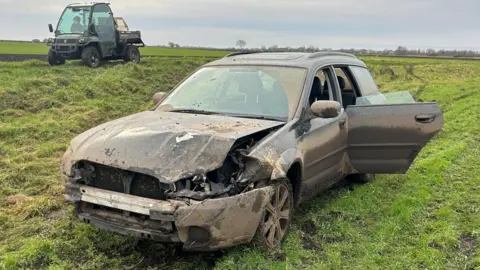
x,y
425,118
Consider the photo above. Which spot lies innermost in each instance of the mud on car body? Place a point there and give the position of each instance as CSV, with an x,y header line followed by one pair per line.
x,y
225,157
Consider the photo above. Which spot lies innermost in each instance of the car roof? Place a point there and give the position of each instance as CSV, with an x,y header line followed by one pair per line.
x,y
291,59
86,4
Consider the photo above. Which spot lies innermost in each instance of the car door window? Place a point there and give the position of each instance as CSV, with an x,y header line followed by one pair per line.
x,y
103,19
348,91
321,87
365,81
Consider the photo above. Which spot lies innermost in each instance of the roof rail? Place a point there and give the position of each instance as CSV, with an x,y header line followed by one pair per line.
x,y
320,54
240,53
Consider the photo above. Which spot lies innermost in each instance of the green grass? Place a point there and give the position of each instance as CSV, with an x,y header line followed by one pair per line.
x,y
41,48
426,219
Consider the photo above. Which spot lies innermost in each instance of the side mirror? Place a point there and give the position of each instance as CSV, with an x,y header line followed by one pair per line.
x,y
158,97
326,108
50,27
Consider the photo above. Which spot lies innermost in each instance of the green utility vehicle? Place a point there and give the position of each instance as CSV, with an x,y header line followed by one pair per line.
x,y
91,33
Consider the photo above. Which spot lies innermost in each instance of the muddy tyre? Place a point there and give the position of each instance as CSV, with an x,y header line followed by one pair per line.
x,y
132,54
54,60
275,223
361,178
91,57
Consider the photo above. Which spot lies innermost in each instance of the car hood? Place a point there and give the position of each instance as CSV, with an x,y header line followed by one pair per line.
x,y
166,145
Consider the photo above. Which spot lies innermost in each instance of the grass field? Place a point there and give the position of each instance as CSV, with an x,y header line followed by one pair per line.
x,y
41,48
426,219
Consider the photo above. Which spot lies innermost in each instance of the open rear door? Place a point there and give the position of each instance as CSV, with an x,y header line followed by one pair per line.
x,y
386,138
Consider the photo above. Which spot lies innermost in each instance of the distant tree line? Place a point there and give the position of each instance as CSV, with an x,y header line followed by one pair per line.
x,y
400,51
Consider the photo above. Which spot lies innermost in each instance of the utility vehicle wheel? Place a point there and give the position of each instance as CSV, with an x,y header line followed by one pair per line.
x,y
54,60
132,54
277,217
91,57
360,178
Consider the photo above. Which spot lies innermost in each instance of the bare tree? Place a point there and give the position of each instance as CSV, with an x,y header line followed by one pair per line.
x,y
273,48
241,43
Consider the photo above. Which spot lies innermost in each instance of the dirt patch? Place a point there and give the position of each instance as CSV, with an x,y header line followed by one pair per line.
x,y
279,256
58,214
467,244
17,199
309,227
333,239
309,244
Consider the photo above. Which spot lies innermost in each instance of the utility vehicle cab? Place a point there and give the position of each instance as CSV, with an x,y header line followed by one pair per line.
x,y
91,33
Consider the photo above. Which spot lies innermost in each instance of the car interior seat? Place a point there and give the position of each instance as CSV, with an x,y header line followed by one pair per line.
x,y
316,91
348,97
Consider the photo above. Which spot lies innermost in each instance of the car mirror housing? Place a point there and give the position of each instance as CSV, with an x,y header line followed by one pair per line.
x,y
326,108
50,27
158,97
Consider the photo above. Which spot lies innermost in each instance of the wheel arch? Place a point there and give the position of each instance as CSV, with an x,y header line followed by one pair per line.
x,y
93,43
290,166
295,176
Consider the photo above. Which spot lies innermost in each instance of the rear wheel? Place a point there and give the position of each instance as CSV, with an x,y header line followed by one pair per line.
x,y
91,57
132,54
277,217
54,60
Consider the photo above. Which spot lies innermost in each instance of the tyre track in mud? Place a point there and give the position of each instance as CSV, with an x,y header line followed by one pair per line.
x,y
41,57
409,69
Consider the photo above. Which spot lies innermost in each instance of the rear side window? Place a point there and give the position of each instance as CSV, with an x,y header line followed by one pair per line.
x,y
365,81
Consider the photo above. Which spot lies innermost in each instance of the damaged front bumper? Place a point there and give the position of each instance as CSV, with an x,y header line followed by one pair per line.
x,y
200,225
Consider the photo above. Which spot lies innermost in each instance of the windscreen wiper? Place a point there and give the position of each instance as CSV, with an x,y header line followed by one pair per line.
x,y
282,119
196,111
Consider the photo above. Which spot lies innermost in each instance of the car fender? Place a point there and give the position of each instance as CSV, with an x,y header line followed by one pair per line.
x,y
284,162
93,43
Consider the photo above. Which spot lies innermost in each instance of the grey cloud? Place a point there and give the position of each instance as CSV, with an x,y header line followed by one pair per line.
x,y
349,22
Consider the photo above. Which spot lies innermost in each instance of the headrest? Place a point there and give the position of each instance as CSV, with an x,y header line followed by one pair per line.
x,y
317,85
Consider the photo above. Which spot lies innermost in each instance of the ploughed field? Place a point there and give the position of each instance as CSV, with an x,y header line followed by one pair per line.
x,y
426,219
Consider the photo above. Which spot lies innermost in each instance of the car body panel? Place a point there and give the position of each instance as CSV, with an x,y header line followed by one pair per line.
x,y
323,146
387,138
166,145
229,221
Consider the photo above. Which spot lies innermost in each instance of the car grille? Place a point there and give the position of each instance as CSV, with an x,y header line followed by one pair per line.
x,y
63,48
66,41
114,179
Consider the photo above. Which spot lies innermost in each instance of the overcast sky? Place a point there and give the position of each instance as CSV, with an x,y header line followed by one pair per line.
x,y
374,24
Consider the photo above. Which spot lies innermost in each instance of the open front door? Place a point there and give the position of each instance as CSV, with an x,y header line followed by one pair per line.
x,y
386,138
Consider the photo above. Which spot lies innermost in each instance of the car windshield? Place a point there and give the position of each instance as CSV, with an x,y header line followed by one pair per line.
x,y
74,20
245,91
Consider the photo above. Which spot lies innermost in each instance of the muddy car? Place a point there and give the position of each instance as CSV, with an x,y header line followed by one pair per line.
x,y
228,154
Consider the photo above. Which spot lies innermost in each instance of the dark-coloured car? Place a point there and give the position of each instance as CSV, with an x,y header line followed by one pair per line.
x,y
227,155
91,33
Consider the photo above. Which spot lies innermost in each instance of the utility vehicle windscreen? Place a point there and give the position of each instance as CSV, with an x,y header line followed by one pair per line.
x,y
246,91
74,20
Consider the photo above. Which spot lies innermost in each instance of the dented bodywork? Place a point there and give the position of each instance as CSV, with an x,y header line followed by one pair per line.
x,y
203,179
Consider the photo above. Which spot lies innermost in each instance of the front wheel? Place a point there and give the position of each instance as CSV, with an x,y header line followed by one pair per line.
x,y
132,54
54,60
91,57
277,217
